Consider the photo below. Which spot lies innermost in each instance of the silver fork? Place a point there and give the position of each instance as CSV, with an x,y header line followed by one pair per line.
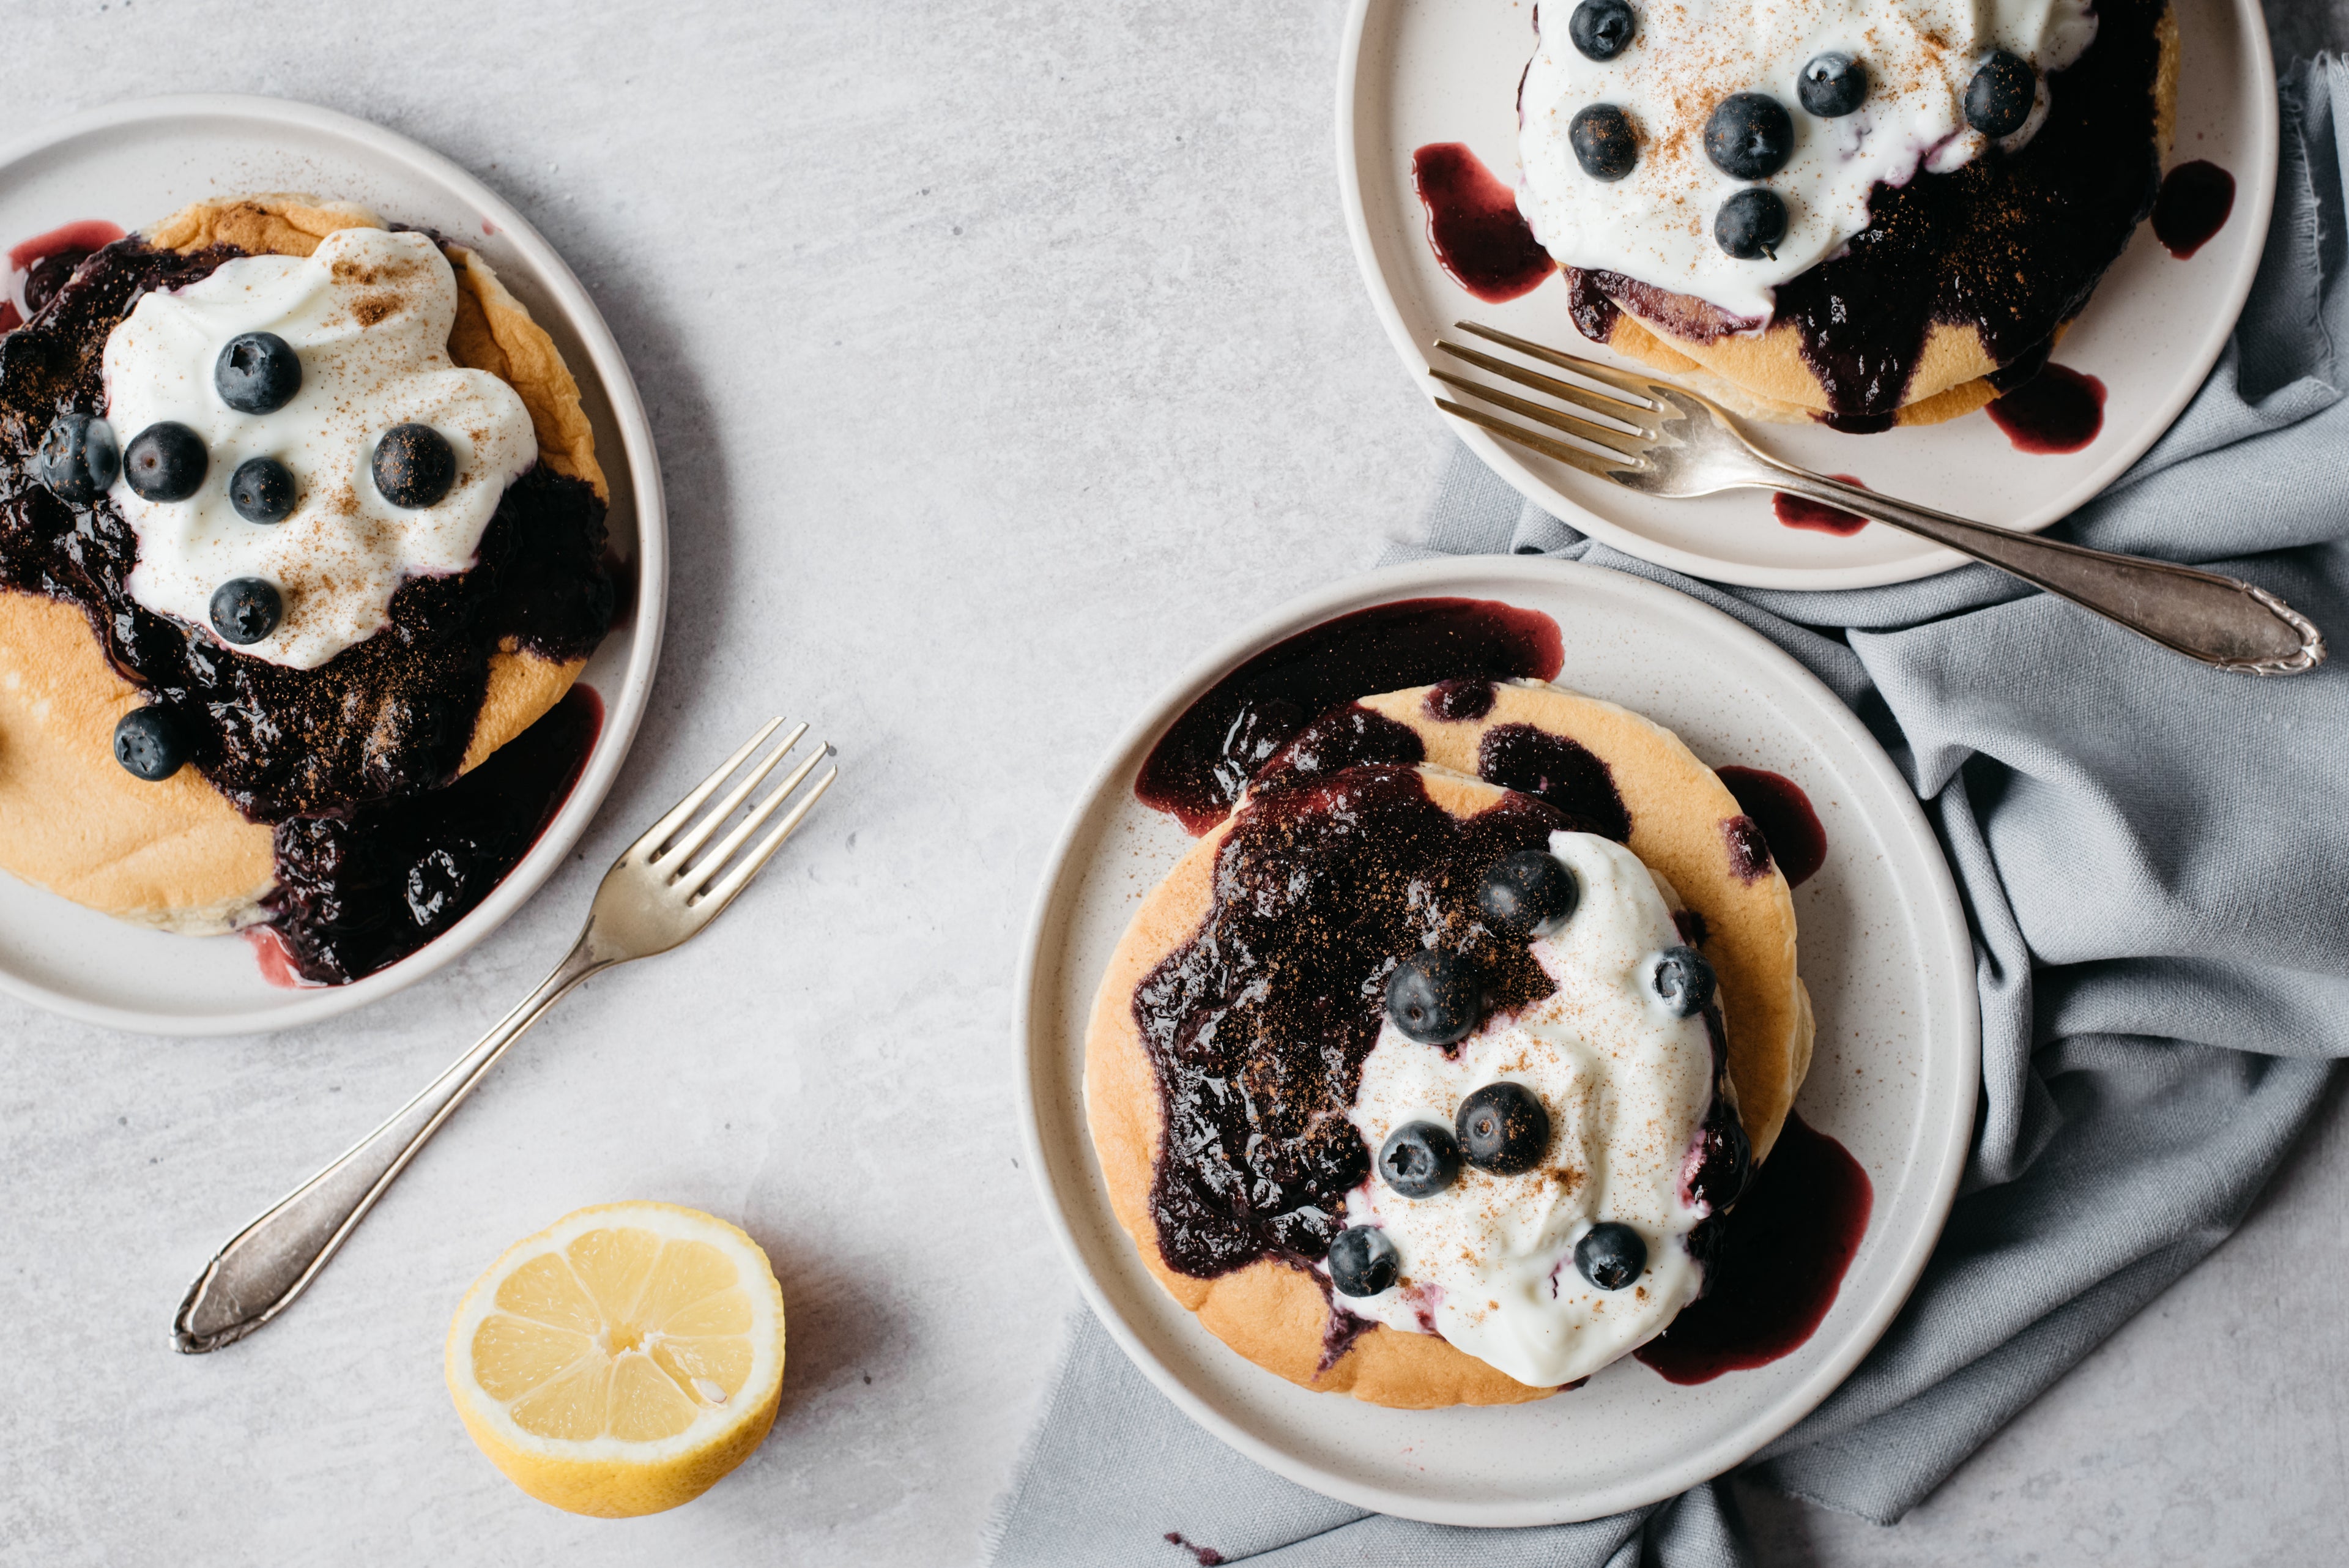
x,y
1664,440
654,898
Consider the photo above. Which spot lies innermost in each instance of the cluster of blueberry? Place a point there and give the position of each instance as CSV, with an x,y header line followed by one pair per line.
x,y
257,373
1435,998
1749,135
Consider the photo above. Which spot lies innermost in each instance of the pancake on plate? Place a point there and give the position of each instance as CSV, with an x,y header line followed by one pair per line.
x,y
248,647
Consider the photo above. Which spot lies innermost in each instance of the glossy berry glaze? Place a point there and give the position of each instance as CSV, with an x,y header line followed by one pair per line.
x,y
2195,198
47,260
1799,512
1791,831
1258,1026
1474,226
2057,411
391,716
360,892
2009,245
1780,1261
1208,754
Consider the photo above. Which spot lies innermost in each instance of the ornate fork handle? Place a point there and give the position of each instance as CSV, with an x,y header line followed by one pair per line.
x,y
272,1260
2223,622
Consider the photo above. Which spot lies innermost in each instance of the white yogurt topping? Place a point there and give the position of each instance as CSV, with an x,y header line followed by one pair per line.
x,y
1656,224
369,313
1489,1262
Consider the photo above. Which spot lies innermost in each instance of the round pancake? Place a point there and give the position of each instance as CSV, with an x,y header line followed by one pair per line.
x,y
1273,1312
1680,812
1763,376
177,855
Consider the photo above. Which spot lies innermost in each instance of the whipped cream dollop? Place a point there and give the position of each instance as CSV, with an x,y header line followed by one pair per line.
x,y
368,313
1488,1263
1656,225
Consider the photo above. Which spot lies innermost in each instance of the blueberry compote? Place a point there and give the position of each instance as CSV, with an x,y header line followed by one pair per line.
x,y
359,892
2195,200
2009,244
1781,813
1566,774
1257,1027
388,718
1285,697
1777,1263
1473,225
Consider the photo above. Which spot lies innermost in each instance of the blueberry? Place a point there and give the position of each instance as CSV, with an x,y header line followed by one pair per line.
x,y
1528,892
1601,29
246,609
1684,980
1750,136
165,462
1603,142
1420,1159
1832,86
148,744
1435,997
1362,1261
1502,1128
262,490
257,373
1998,100
1610,1256
78,458
1751,223
414,466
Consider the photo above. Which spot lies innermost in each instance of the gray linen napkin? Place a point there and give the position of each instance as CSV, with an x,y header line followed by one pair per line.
x,y
2152,856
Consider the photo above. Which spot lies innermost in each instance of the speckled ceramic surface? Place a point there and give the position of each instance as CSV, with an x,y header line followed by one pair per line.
x,y
1885,952
135,162
1417,71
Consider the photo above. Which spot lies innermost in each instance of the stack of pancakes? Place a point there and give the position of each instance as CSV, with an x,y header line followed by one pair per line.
x,y
1684,824
177,855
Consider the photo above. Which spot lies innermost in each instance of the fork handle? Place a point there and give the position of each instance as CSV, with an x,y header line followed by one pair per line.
x,y
272,1260
2225,622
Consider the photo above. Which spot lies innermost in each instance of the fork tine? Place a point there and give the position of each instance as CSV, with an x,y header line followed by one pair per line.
x,y
1629,381
1636,415
680,814
1579,457
723,892
715,861
1613,440
714,817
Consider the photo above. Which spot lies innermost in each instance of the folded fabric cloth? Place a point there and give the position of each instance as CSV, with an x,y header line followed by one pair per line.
x,y
2152,857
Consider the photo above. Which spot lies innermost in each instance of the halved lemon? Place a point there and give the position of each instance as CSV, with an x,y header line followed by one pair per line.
x,y
623,1360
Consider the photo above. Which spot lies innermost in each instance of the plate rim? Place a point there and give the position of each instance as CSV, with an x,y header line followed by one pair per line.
x,y
624,709
1937,908
2251,27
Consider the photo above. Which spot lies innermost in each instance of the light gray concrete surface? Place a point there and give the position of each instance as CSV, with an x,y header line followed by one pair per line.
x,y
1001,357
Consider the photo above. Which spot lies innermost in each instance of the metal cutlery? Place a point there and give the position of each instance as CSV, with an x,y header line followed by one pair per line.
x,y
657,895
1661,438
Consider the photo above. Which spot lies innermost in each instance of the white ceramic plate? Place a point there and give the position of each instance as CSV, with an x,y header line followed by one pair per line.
x,y
1416,71
135,162
1885,951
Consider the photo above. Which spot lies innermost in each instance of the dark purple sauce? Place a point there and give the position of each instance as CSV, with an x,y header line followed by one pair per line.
x,y
2011,245
1457,702
1257,1028
2195,200
1779,1263
1210,754
2057,411
1473,225
1801,512
360,892
1791,831
1567,774
1205,1556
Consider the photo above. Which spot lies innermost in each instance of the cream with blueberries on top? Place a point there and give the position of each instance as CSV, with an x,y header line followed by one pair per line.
x,y
1531,1199
1718,148
297,442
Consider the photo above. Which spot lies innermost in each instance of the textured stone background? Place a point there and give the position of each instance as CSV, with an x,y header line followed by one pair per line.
x,y
1002,356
